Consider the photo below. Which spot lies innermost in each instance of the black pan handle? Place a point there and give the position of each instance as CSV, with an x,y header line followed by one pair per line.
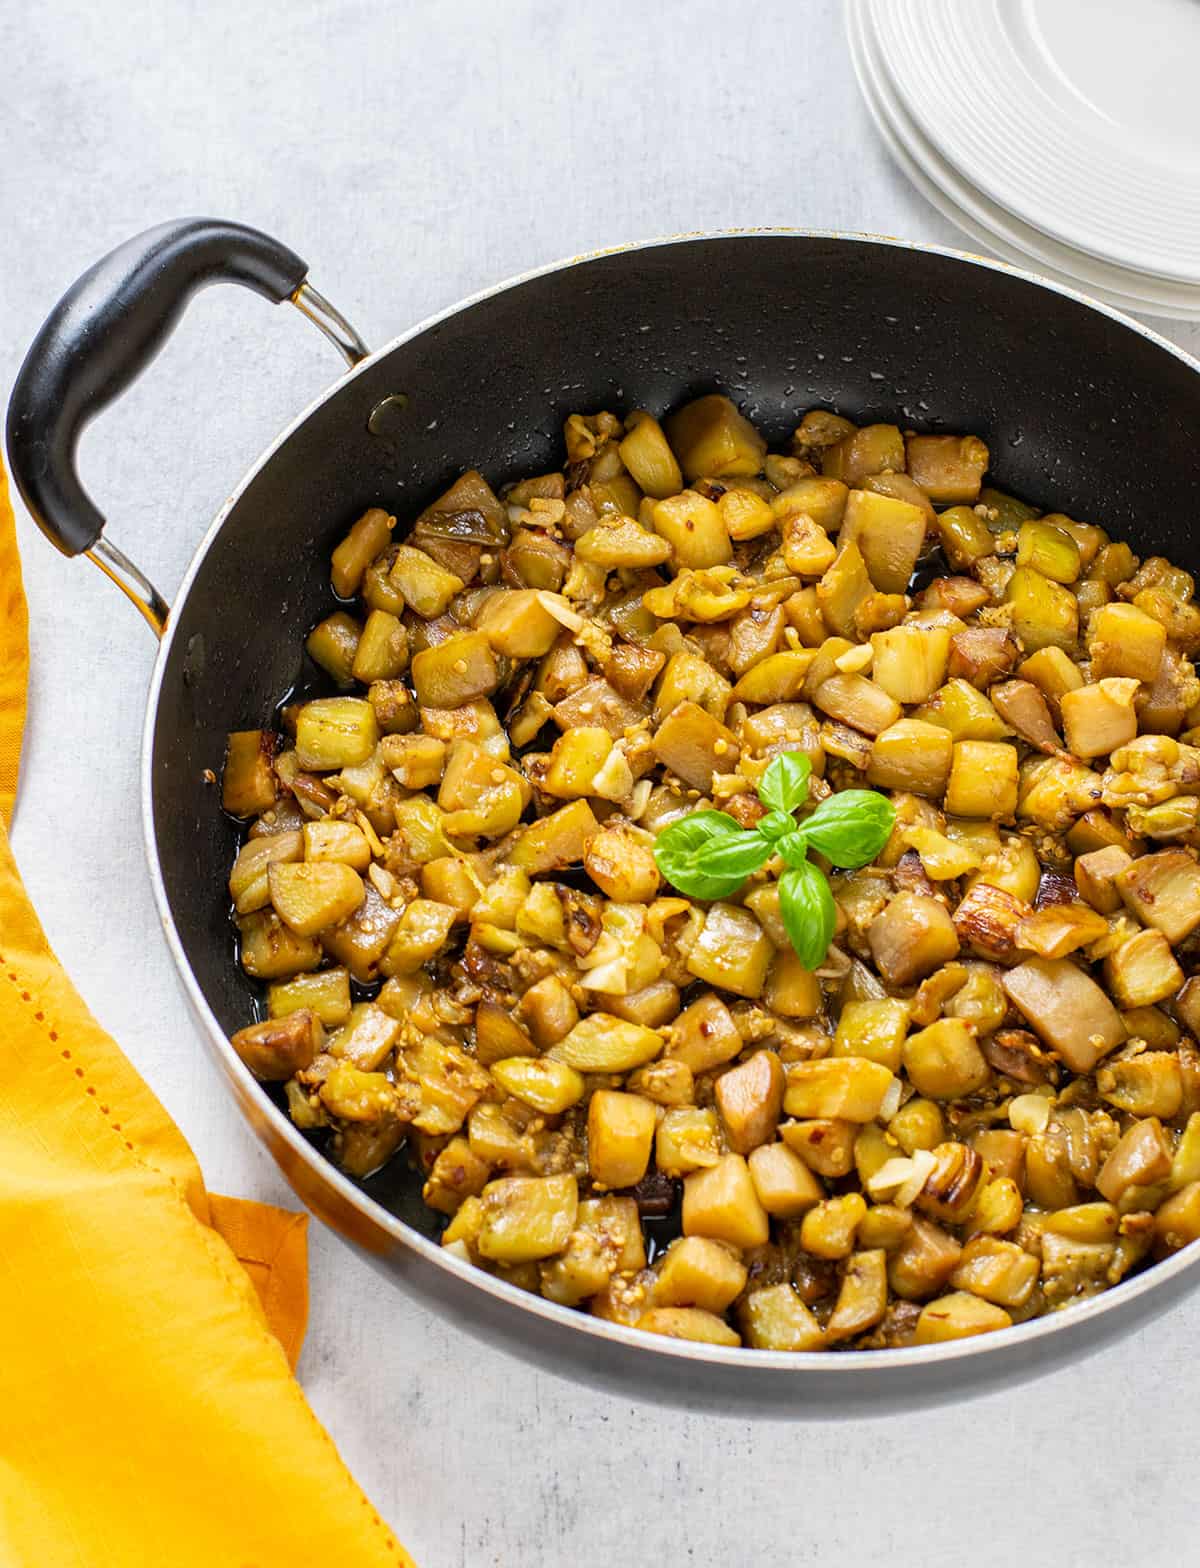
x,y
103,333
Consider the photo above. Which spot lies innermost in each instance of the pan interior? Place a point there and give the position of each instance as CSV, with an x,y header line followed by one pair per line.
x,y
1080,411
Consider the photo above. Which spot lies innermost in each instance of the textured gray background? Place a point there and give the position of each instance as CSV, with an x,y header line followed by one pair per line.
x,y
415,153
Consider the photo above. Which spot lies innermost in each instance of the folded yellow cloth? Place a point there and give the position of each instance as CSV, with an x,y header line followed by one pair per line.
x,y
148,1413
14,657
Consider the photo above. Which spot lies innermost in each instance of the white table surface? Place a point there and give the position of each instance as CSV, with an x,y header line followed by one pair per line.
x,y
415,153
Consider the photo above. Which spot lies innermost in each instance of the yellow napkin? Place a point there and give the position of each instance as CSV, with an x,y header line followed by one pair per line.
x,y
148,1414
14,657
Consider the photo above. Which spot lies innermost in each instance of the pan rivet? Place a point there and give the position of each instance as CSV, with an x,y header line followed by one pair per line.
x,y
386,417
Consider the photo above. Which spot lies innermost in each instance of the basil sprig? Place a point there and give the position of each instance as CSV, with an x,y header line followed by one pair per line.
x,y
707,855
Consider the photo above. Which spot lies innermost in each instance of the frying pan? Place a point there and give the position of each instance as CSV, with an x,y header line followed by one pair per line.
x,y
1084,410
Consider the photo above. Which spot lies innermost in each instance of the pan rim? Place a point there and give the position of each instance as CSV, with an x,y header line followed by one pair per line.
x,y
846,1369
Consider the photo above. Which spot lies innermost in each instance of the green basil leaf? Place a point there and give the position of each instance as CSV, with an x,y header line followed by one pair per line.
x,y
707,855
809,916
775,824
793,847
851,827
736,856
784,785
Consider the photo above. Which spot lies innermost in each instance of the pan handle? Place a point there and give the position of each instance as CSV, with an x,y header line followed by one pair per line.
x,y
102,334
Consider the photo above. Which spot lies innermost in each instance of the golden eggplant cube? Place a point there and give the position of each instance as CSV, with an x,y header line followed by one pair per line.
x,y
911,938
1044,613
602,1043
873,449
890,534
732,951
913,756
547,1086
775,1318
270,950
557,841
647,455
943,1061
1143,970
248,884
958,1316
278,1047
983,780
311,896
949,469
786,1187
693,527
909,662
964,711
847,1088
875,1029
455,671
382,651
1067,1009
368,537
694,745
722,1204
1049,550
335,732
698,1272
248,784
518,624
325,993
333,644
1123,640
527,1217
420,935
712,440
427,587
1162,890
749,1098
621,1131
1100,718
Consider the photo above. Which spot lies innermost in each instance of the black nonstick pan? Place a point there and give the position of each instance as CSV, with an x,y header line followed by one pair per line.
x,y
1081,408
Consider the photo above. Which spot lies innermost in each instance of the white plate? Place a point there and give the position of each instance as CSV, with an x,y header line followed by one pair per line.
x,y
988,224
984,220
1105,86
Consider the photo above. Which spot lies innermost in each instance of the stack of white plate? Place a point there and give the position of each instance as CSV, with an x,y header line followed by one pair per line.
x,y
1059,132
